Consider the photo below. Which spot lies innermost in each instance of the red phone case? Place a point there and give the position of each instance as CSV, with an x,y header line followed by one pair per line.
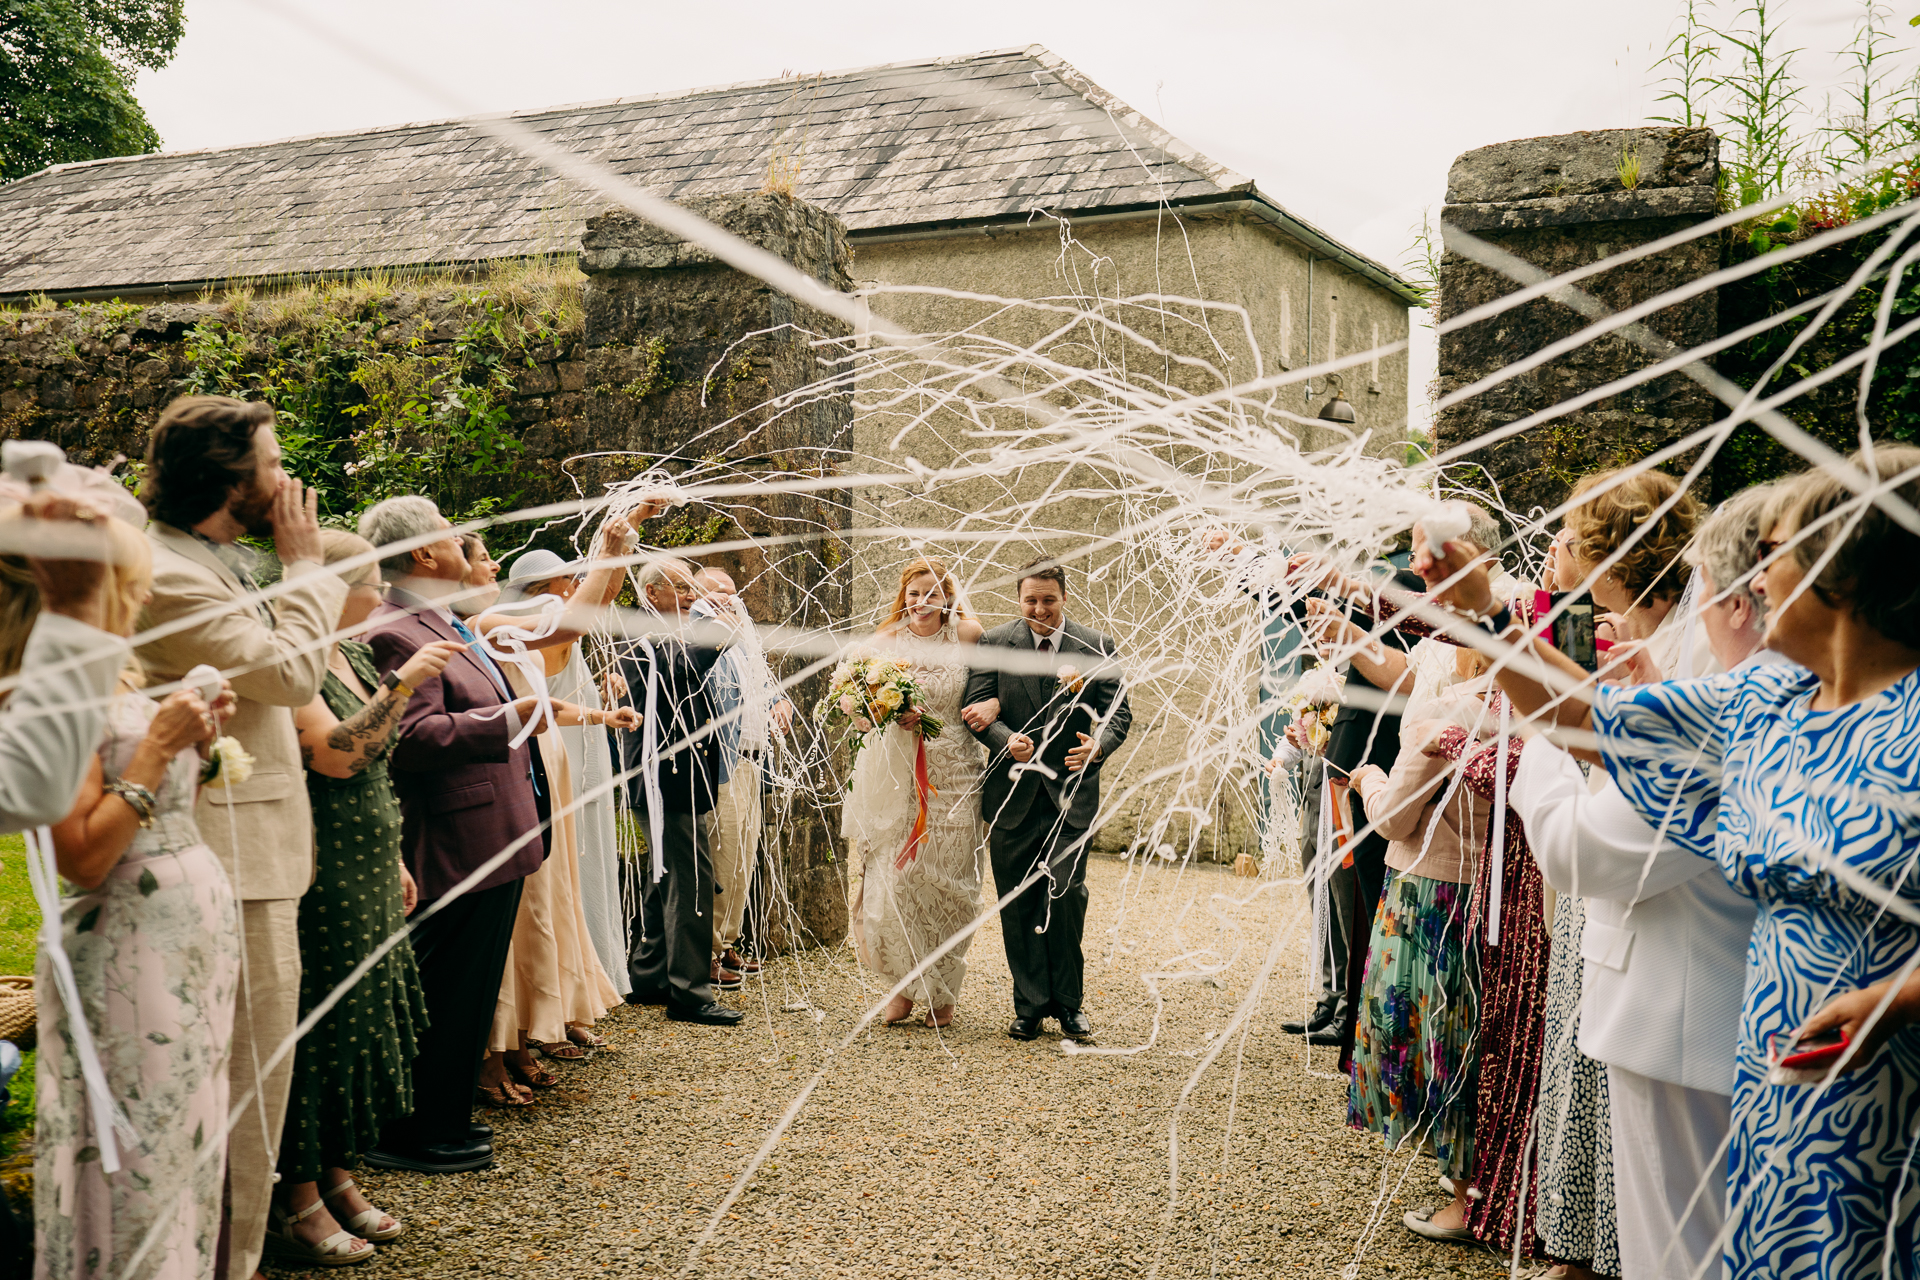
x,y
1814,1059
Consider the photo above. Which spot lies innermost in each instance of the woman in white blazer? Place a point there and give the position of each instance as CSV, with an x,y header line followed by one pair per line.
x,y
1665,954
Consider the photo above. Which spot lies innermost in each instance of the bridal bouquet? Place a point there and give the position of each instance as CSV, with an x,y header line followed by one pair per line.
x,y
871,692
1313,703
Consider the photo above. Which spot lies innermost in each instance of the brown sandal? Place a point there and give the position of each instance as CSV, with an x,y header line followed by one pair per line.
x,y
531,1076
559,1050
499,1095
585,1038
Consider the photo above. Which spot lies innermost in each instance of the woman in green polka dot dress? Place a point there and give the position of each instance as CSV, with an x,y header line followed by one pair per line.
x,y
352,1073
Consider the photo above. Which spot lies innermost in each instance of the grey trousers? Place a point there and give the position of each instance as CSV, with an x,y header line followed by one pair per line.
x,y
673,953
1042,927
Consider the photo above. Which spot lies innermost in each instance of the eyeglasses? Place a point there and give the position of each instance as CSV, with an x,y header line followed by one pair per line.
x,y
1767,547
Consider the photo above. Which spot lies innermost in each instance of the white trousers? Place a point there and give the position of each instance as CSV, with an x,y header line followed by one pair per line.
x,y
1666,1145
736,846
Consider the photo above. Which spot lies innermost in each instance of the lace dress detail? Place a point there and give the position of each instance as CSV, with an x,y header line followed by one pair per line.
x,y
900,915
156,958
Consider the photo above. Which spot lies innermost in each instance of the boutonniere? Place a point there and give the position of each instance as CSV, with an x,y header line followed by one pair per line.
x,y
228,766
1071,681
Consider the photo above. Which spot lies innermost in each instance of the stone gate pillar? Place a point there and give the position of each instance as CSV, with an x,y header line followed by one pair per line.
x,y
694,363
1561,203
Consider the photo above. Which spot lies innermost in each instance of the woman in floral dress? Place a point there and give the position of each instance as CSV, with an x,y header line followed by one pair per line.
x,y
150,928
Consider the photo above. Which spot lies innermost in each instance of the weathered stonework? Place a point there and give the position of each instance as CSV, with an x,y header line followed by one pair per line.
x,y
1561,203
705,354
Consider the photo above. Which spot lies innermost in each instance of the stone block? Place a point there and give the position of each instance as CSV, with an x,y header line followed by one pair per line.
x,y
1559,204
664,320
537,381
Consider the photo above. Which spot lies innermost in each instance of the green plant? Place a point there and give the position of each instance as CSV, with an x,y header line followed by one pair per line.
x,y
1420,265
1826,412
1860,135
1628,169
1760,102
1689,59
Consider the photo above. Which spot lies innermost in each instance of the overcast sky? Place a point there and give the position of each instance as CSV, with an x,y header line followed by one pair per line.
x,y
1346,113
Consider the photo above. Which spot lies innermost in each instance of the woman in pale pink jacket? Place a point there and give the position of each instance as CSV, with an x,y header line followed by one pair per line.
x,y
1414,1057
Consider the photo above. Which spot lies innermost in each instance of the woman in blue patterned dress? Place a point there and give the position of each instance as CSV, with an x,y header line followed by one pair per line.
x,y
1800,781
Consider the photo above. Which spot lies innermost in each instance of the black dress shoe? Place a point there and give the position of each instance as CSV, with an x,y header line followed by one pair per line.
x,y
1074,1026
440,1157
1337,1033
710,1014
1024,1028
1323,1013
655,995
479,1133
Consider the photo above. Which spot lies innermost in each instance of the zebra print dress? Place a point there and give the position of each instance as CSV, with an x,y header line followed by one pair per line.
x,y
1803,810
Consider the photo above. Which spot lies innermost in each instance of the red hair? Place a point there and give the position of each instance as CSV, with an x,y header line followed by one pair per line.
x,y
941,574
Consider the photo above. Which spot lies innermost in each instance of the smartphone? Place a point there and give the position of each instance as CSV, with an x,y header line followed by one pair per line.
x,y
1806,1060
1572,632
1815,1051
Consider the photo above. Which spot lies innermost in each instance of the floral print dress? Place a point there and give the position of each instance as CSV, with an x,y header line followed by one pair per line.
x,y
156,957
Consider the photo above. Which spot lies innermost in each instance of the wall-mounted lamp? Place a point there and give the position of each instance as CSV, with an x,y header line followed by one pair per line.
x,y
1336,409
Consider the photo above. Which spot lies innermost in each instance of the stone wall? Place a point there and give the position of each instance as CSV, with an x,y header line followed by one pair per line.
x,y
735,347
1561,203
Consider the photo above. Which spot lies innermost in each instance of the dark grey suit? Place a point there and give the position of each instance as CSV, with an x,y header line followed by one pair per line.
x,y
1037,819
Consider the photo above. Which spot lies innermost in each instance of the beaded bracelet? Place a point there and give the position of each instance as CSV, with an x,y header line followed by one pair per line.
x,y
138,798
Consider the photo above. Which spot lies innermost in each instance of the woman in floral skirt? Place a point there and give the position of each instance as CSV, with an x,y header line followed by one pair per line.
x,y
1414,1058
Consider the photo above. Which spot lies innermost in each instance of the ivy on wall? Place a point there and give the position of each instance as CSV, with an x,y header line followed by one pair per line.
x,y
1751,455
366,412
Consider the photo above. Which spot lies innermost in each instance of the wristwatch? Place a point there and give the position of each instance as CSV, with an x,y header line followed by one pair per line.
x,y
393,684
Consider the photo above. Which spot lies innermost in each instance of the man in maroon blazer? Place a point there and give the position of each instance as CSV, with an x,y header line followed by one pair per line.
x,y
469,803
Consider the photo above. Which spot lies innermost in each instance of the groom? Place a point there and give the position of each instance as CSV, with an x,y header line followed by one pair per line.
x,y
1042,789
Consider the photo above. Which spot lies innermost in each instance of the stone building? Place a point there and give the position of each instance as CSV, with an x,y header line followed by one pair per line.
x,y
1005,175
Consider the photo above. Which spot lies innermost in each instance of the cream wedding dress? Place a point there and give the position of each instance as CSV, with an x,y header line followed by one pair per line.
x,y
900,915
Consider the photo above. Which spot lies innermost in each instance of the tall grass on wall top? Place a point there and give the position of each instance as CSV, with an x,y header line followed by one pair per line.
x,y
1735,68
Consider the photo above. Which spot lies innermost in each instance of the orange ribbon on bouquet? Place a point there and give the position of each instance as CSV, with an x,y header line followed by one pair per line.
x,y
922,788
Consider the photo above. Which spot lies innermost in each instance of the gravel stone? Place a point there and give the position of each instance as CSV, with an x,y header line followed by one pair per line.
x,y
960,1153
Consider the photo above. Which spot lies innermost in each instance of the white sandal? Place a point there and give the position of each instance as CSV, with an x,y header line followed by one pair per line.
x,y
341,1249
363,1223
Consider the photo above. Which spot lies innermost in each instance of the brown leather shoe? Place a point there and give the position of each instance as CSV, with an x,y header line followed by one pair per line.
x,y
734,960
723,978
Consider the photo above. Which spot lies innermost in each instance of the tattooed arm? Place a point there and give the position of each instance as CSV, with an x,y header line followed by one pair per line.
x,y
338,748
342,748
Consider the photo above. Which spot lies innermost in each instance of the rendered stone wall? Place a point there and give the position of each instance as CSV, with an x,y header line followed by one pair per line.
x,y
1561,203
1225,259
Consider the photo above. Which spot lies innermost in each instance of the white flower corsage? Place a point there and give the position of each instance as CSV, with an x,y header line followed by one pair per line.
x,y
228,766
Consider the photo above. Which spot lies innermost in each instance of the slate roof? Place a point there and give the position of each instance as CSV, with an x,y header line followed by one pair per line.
x,y
888,149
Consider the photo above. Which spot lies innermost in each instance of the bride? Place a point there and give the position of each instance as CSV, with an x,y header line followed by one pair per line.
x,y
900,914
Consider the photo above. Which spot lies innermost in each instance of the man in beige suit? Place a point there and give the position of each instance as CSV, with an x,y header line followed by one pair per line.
x,y
214,473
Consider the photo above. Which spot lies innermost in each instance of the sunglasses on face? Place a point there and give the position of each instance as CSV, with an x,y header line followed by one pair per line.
x,y
1767,547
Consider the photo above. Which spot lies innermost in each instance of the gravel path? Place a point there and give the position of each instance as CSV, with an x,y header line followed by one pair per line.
x,y
959,1153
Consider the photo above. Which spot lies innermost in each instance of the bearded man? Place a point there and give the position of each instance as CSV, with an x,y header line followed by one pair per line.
x,y
214,472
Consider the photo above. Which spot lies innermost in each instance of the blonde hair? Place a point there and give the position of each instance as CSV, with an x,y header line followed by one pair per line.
x,y
338,544
1656,566
19,610
941,574
130,574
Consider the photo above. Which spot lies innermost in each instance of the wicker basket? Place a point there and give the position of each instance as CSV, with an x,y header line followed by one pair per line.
x,y
19,1019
